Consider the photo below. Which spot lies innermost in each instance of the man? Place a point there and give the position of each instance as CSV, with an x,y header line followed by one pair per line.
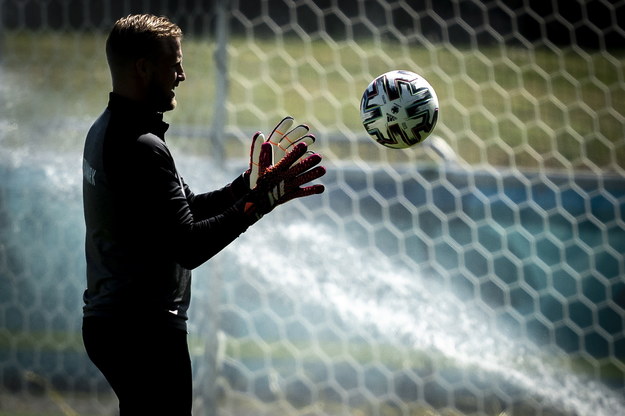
x,y
146,229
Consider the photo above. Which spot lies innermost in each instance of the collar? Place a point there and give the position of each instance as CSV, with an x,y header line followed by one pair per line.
x,y
138,115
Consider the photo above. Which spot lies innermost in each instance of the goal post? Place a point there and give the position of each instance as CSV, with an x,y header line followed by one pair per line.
x,y
479,272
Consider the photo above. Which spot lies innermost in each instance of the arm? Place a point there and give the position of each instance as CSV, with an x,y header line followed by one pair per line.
x,y
168,202
206,205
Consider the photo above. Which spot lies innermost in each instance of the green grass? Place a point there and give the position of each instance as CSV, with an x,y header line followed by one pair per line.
x,y
284,357
502,106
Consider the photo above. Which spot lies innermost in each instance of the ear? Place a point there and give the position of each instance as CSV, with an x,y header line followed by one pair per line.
x,y
143,68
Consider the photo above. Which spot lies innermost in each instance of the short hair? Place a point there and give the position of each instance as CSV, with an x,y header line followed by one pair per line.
x,y
138,36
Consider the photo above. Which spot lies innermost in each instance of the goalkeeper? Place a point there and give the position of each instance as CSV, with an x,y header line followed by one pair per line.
x,y
146,230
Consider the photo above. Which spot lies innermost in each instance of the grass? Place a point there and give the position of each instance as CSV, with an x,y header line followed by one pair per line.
x,y
423,371
500,106
296,358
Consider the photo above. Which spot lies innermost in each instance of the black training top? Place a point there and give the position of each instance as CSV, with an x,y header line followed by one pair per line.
x,y
145,229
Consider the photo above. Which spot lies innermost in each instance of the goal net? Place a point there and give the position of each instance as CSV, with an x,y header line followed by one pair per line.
x,y
480,272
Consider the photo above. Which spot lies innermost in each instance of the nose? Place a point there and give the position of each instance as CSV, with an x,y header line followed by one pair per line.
x,y
181,76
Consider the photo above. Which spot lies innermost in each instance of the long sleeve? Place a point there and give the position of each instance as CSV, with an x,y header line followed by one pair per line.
x,y
209,204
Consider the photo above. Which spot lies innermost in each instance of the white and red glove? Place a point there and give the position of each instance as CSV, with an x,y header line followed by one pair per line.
x,y
282,139
282,182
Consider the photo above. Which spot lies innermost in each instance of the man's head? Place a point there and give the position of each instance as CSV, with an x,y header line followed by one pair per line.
x,y
145,58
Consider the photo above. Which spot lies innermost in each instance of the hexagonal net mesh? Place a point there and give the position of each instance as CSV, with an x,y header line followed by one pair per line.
x,y
479,272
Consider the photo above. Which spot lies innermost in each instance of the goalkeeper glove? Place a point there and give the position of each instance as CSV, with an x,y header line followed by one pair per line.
x,y
282,141
282,182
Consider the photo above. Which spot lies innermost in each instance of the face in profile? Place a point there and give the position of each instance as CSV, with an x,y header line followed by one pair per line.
x,y
166,73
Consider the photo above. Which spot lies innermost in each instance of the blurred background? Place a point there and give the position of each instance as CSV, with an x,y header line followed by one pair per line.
x,y
480,272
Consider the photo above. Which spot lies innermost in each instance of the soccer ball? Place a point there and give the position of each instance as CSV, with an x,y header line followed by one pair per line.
x,y
399,109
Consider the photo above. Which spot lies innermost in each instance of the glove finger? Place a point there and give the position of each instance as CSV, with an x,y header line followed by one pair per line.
x,y
308,153
280,130
277,134
307,176
264,159
293,136
302,192
305,164
288,140
257,140
286,161
312,190
309,139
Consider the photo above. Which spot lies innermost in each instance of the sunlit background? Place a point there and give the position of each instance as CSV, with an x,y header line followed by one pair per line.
x,y
478,273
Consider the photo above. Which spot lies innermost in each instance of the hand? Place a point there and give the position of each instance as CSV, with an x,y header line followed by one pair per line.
x,y
282,141
283,181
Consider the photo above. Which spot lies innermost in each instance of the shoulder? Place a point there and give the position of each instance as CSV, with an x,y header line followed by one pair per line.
x,y
151,144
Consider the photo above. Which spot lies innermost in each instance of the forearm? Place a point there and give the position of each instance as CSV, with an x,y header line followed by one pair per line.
x,y
206,205
198,241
